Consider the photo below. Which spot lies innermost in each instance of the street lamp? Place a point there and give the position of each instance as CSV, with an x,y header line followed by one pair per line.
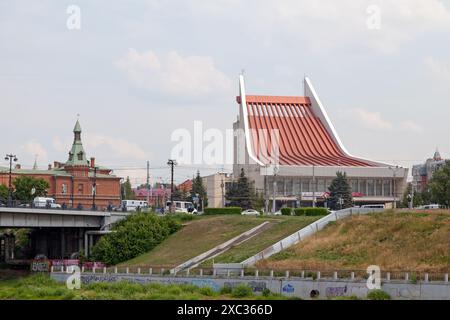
x,y
10,158
394,171
94,189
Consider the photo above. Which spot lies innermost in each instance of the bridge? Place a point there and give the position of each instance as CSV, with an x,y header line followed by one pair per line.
x,y
48,218
58,233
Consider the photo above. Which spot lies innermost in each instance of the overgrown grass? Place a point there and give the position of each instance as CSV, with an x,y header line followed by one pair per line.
x,y
41,287
402,240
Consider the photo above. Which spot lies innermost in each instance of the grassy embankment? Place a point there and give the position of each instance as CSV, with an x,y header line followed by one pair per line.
x,y
41,287
396,241
206,232
285,227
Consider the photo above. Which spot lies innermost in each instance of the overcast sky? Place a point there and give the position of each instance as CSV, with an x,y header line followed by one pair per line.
x,y
136,71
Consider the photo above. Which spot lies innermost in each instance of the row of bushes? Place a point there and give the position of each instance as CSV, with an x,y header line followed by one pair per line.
x,y
304,211
226,210
133,236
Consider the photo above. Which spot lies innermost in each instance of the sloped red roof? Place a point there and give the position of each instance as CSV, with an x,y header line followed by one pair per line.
x,y
303,138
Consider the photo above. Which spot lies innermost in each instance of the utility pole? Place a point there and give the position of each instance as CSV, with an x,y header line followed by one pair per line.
x,y
275,171
314,185
10,158
222,186
148,183
171,163
94,189
394,170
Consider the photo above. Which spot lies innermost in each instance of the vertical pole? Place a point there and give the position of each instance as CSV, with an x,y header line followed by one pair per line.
x,y
94,189
148,183
222,186
314,186
274,189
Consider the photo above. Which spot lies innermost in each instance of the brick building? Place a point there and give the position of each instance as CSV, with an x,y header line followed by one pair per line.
x,y
72,182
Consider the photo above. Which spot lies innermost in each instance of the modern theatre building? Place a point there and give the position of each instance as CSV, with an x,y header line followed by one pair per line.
x,y
290,149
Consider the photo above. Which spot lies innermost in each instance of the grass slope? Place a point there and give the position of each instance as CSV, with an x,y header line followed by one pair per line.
x,y
285,227
402,240
194,238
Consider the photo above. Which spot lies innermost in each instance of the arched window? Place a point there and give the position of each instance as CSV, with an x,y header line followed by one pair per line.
x,y
80,155
70,156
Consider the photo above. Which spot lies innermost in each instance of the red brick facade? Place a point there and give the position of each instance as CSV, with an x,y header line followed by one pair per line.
x,y
72,182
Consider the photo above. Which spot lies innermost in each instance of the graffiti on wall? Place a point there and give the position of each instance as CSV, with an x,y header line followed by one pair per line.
x,y
336,291
40,265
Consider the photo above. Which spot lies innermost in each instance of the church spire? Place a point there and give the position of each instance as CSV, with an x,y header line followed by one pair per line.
x,y
35,167
77,156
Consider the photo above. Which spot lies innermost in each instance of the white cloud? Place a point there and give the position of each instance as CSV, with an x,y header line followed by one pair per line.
x,y
372,119
438,69
109,147
329,23
34,148
174,74
409,125
375,120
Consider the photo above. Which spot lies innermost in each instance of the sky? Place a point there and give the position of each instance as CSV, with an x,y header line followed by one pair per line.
x,y
134,72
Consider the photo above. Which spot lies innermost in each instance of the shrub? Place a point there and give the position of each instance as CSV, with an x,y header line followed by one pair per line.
x,y
241,291
286,211
226,290
310,211
207,291
378,295
133,236
226,210
266,292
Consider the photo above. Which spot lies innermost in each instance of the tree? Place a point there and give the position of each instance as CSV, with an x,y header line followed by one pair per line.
x,y
26,188
180,195
3,192
239,194
199,189
340,193
127,190
440,185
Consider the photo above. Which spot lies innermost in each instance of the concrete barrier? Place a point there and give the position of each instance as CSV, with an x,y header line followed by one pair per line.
x,y
304,288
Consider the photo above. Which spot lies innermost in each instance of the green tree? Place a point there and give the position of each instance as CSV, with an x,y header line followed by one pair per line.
x,y
26,188
133,236
3,192
180,195
440,185
239,193
127,190
340,192
199,189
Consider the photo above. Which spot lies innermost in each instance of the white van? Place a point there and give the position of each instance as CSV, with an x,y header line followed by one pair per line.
x,y
134,205
182,207
43,202
430,207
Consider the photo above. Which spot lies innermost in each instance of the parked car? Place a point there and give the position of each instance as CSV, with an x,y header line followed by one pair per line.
x,y
250,212
276,213
43,202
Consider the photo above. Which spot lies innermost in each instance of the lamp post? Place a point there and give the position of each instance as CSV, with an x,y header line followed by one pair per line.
x,y
171,163
394,171
275,172
94,189
10,158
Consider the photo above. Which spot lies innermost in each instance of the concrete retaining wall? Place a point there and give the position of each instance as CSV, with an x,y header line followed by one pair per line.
x,y
290,287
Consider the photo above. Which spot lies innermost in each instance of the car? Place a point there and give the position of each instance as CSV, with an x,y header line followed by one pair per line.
x,y
430,207
250,212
